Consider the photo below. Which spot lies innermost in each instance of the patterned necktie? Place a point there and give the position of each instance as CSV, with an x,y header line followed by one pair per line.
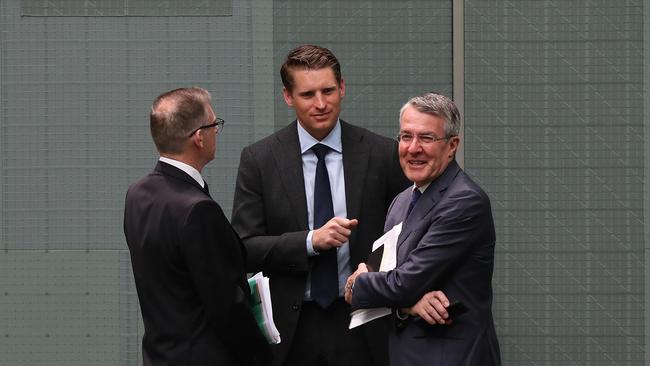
x,y
414,198
324,273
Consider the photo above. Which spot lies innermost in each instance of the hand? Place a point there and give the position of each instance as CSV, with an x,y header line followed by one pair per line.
x,y
333,234
350,281
432,308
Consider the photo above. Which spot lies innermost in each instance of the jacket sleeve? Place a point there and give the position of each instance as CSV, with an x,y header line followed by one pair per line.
x,y
270,249
446,239
214,259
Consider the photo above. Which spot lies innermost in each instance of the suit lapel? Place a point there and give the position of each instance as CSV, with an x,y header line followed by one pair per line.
x,y
428,201
288,161
355,163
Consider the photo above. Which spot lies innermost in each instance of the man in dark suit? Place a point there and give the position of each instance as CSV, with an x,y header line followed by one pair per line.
x,y
188,263
308,241
446,242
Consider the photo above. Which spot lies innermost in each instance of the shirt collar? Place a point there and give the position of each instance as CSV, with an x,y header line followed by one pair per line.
x,y
332,140
186,168
423,188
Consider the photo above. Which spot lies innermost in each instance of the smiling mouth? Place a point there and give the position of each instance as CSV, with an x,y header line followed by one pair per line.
x,y
417,163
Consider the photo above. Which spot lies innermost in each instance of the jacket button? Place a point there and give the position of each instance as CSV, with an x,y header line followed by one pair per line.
x,y
295,306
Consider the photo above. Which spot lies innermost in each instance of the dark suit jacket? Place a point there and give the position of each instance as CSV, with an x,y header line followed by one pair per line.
x,y
188,266
446,243
270,213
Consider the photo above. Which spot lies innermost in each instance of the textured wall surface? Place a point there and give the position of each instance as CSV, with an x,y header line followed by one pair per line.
x,y
554,112
554,131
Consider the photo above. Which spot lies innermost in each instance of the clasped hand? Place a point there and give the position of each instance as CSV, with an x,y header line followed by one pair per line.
x,y
432,307
362,268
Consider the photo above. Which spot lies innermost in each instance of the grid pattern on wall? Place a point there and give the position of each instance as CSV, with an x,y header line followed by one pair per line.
x,y
155,8
74,98
389,51
554,132
75,94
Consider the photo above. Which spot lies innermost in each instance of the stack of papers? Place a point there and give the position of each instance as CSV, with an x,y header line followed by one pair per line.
x,y
262,307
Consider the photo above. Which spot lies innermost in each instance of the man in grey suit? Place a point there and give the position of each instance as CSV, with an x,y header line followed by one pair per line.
x,y
446,242
310,200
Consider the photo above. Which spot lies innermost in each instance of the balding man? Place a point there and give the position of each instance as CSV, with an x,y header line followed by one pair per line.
x,y
187,261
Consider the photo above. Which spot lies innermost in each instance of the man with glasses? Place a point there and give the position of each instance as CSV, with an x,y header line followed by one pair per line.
x,y
188,263
446,242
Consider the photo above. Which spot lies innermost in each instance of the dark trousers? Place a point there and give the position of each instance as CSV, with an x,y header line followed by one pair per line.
x,y
323,338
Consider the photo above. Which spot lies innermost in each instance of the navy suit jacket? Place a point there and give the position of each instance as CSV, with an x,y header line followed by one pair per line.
x,y
270,214
188,265
446,243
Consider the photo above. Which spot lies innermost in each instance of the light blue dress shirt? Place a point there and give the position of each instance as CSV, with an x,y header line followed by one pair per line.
x,y
334,164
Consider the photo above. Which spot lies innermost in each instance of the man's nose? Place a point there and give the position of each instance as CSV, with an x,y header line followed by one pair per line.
x,y
414,146
320,101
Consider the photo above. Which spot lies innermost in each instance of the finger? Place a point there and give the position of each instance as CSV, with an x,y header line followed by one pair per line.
x,y
342,230
339,221
362,267
441,297
348,282
438,307
342,221
427,318
434,314
338,239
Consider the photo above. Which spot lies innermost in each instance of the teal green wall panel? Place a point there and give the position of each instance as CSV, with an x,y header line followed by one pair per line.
x,y
554,132
67,308
389,51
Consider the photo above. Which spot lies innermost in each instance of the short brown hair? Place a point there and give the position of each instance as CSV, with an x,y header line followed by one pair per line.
x,y
175,114
308,57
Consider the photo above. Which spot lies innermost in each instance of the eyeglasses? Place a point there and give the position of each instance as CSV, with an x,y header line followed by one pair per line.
x,y
217,122
425,139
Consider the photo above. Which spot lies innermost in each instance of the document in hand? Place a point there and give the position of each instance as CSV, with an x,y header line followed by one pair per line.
x,y
261,306
388,244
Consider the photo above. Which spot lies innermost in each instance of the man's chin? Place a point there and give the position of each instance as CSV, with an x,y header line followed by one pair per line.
x,y
417,178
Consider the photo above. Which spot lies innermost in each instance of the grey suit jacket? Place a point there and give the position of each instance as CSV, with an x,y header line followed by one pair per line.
x,y
270,212
446,243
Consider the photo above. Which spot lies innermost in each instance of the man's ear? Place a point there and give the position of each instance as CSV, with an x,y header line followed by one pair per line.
x,y
453,145
197,139
287,97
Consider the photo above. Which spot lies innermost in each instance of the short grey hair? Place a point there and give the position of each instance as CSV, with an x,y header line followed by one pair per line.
x,y
437,105
175,114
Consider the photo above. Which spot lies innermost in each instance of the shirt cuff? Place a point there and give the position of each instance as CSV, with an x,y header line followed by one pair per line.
x,y
310,247
400,316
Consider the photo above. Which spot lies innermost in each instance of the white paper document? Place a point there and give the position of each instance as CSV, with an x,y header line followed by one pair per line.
x,y
262,307
388,262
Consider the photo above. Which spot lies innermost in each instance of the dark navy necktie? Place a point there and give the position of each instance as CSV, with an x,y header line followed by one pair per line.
x,y
414,198
324,273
